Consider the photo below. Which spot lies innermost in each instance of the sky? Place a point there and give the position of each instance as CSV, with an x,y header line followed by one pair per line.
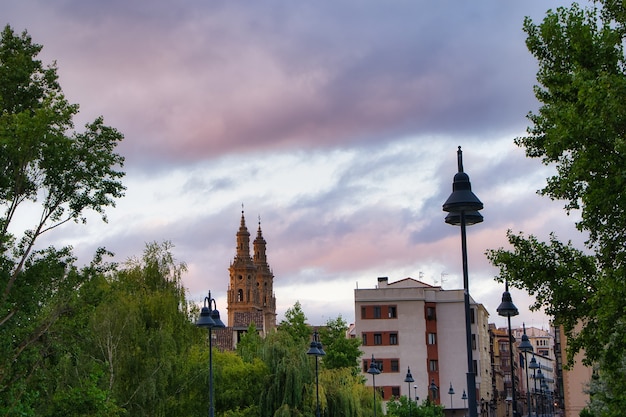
x,y
334,123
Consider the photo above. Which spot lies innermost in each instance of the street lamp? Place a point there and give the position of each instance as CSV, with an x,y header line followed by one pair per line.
x,y
451,392
525,346
210,318
462,207
433,389
464,398
373,371
415,396
539,398
408,380
316,350
534,366
508,309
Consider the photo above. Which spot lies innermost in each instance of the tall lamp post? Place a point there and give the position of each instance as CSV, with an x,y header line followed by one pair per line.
x,y
539,398
408,380
373,371
508,309
210,318
415,396
525,346
433,389
534,366
462,207
451,392
316,350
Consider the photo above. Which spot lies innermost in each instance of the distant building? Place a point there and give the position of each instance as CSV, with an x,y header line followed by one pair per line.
x,y
250,294
411,324
575,380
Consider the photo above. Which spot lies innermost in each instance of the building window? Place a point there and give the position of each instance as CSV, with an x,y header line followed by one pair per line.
x,y
240,295
395,392
378,339
376,312
392,312
430,313
433,365
395,366
364,336
473,341
472,316
475,366
363,313
432,338
393,338
379,364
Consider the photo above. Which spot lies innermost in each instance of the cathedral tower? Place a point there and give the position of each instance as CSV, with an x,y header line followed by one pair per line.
x,y
251,288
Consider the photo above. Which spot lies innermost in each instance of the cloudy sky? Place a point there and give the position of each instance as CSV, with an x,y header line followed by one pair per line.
x,y
334,122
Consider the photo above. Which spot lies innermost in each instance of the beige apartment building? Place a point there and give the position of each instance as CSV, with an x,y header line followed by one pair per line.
x,y
409,324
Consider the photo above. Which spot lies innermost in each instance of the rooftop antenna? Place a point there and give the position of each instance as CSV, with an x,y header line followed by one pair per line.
x,y
443,277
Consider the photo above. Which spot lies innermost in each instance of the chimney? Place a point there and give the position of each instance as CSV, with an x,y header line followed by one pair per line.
x,y
383,281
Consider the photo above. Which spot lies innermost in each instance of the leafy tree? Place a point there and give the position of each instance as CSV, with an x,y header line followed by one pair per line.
x,y
44,165
295,323
580,130
143,331
341,351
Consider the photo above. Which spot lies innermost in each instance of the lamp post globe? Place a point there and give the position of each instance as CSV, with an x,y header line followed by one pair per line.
x,y
462,207
507,309
316,350
525,346
408,379
433,389
373,371
451,392
210,318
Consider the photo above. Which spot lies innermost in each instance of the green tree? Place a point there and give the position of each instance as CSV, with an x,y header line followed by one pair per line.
x,y
580,130
143,331
45,165
341,351
295,323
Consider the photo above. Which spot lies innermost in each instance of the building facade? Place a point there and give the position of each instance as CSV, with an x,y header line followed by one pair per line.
x,y
411,324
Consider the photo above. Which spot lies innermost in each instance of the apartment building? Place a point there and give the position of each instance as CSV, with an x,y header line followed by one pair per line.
x,y
409,324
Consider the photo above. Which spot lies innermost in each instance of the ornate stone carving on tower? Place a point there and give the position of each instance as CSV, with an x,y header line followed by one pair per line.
x,y
251,289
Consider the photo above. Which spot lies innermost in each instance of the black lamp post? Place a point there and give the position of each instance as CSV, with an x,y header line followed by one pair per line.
x,y
433,389
451,392
462,207
210,318
534,366
373,371
544,393
316,350
508,309
539,398
525,346
464,398
408,380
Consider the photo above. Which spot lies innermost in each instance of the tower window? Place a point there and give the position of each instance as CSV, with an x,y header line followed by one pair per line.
x,y
240,295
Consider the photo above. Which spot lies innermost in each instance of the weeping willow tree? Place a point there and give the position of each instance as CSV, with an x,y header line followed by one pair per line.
x,y
289,373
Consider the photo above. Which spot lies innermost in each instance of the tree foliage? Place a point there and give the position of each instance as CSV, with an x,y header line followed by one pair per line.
x,y
341,351
580,129
59,174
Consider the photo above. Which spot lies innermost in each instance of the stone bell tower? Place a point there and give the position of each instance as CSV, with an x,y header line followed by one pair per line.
x,y
251,289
